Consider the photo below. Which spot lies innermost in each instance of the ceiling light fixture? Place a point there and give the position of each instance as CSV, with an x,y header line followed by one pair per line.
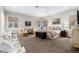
x,y
36,6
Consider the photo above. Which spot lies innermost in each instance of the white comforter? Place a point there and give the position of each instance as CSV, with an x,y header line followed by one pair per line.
x,y
10,44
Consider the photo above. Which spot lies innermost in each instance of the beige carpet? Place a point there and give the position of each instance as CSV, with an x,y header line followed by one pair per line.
x,y
36,45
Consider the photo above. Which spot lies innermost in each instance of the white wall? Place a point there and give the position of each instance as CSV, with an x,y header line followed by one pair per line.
x,y
64,16
2,20
22,19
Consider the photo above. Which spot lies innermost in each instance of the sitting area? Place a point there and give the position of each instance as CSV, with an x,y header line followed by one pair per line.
x,y
22,32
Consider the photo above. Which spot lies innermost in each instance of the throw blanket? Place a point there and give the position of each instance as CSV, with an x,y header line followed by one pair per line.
x,y
51,35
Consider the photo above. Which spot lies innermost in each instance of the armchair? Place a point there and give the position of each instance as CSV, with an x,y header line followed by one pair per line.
x,y
22,32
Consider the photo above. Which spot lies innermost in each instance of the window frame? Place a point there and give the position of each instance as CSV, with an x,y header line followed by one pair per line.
x,y
13,22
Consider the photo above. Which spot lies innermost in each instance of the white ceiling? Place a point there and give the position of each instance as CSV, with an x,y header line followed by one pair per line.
x,y
40,11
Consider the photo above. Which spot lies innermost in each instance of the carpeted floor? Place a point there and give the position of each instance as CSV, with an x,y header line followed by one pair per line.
x,y
36,45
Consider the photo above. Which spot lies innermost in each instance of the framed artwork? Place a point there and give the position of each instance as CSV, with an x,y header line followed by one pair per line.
x,y
13,22
27,23
56,21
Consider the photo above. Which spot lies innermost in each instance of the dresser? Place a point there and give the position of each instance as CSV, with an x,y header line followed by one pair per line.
x,y
64,33
75,37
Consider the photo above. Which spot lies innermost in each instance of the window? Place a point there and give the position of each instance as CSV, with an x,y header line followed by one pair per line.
x,y
12,22
38,23
41,23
